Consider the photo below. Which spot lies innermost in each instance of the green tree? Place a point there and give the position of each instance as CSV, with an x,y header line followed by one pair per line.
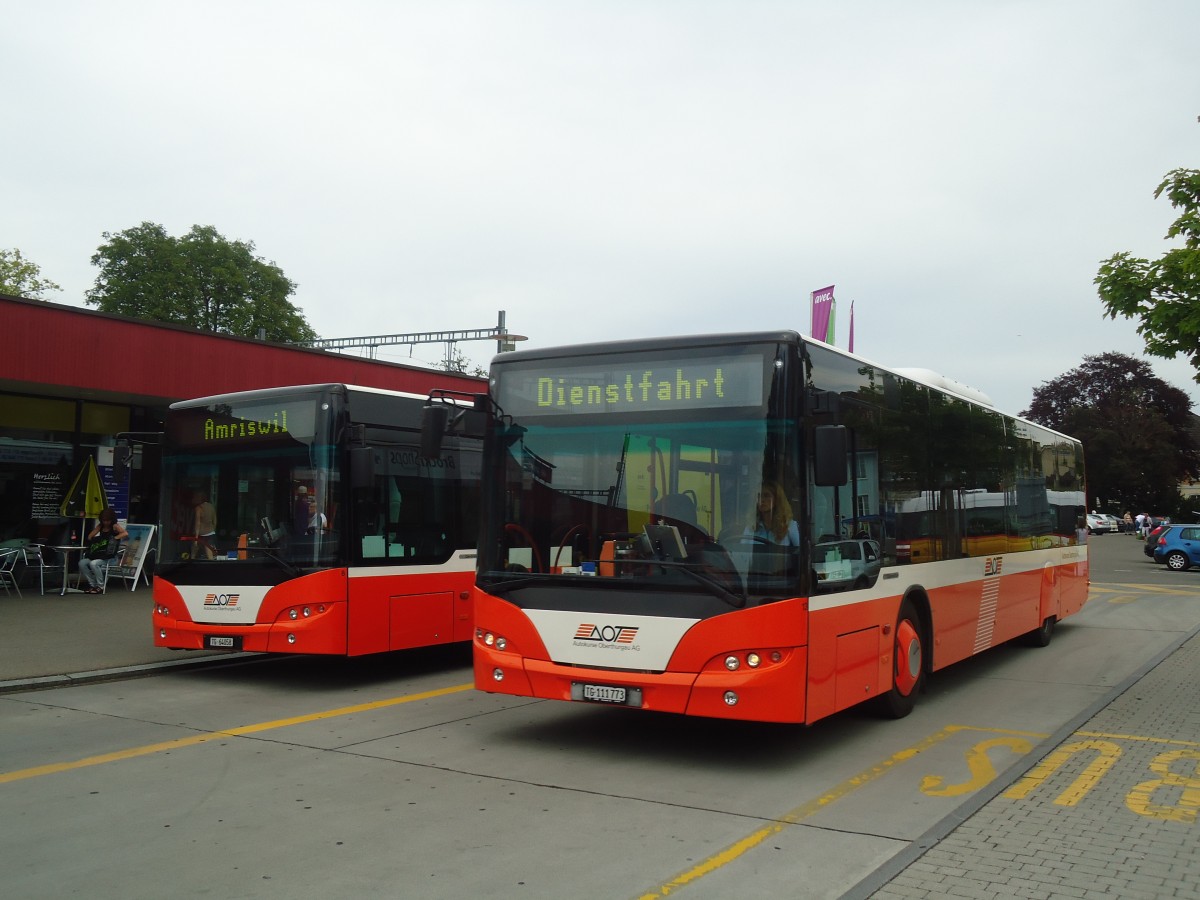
x,y
200,279
1163,295
1134,428
21,277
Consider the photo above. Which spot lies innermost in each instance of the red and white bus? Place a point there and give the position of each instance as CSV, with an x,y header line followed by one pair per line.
x,y
622,561
332,534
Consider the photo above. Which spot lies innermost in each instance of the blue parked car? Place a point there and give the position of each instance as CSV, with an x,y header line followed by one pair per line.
x,y
1178,547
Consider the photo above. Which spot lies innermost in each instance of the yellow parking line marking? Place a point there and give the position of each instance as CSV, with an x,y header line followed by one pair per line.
x,y
148,749
794,816
1113,588
1135,737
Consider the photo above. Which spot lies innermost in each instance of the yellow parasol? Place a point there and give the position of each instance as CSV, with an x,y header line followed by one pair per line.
x,y
86,497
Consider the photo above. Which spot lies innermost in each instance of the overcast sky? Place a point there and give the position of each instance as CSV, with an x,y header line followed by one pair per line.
x,y
602,170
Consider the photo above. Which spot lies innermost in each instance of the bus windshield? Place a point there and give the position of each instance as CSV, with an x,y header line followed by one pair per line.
x,y
252,478
641,468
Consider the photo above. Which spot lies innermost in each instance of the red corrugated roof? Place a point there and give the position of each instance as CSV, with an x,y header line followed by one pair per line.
x,y
62,350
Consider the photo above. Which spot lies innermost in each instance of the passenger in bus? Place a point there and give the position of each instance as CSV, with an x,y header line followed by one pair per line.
x,y
205,525
301,511
773,520
308,520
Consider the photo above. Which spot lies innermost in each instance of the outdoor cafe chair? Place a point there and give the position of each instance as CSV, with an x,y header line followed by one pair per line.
x,y
8,562
36,554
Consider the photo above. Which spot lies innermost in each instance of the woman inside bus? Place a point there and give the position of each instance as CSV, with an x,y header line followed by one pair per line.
x,y
773,520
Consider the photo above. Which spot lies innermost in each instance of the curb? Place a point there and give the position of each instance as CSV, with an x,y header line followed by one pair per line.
x,y
118,672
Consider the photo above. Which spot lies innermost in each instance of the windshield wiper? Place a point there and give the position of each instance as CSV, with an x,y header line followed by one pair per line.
x,y
718,589
498,590
292,570
734,600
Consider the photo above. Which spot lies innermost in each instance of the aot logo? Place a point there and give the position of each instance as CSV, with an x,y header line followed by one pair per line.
x,y
606,634
991,565
221,599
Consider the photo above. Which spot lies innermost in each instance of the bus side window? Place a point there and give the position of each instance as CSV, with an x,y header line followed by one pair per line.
x,y
369,519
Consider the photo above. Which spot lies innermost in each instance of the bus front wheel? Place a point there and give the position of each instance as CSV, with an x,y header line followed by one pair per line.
x,y
908,664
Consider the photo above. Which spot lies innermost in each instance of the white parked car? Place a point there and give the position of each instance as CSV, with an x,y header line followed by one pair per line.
x,y
847,564
1099,524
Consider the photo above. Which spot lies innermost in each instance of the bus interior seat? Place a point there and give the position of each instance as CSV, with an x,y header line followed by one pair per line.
x,y
681,508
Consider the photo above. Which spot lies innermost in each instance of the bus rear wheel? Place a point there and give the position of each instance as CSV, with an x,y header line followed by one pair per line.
x,y
908,664
1040,637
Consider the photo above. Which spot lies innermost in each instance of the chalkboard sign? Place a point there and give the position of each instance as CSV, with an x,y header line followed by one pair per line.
x,y
48,487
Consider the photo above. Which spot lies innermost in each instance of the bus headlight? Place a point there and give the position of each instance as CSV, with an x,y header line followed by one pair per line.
x,y
498,674
732,663
292,614
753,660
731,698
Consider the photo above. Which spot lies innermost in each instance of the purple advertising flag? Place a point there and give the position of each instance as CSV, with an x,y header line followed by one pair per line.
x,y
822,314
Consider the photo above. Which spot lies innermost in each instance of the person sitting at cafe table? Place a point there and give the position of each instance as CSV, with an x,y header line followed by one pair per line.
x,y
102,542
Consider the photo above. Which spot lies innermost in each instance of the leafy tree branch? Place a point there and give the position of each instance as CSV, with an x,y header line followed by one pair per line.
x,y
201,279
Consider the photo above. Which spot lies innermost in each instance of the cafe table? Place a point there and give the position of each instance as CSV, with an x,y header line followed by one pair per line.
x,y
66,550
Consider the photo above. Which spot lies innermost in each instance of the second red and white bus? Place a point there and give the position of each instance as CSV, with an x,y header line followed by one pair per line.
x,y
621,560
330,532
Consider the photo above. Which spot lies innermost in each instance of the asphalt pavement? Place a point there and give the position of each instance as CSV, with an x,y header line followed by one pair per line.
x,y
52,639
1107,806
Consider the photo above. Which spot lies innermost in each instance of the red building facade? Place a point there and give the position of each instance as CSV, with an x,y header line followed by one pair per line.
x,y
72,379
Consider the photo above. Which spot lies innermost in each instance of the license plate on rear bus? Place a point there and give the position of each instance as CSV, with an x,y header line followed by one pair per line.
x,y
606,693
223,642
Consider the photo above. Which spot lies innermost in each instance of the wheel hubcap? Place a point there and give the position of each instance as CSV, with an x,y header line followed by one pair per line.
x,y
908,657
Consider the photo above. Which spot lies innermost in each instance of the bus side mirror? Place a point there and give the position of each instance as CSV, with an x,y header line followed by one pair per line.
x,y
434,418
830,445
